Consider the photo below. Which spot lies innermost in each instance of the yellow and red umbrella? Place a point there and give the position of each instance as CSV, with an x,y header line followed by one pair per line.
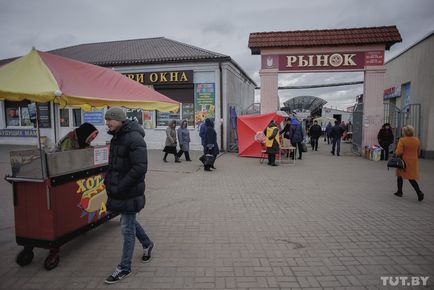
x,y
43,77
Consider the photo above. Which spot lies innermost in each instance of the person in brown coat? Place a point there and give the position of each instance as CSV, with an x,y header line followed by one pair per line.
x,y
171,142
409,149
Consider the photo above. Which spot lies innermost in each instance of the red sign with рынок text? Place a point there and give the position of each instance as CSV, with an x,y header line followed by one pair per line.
x,y
323,61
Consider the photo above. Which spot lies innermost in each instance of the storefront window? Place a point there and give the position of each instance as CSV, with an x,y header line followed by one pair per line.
x,y
135,115
64,117
144,118
76,113
163,118
148,119
185,96
188,113
17,114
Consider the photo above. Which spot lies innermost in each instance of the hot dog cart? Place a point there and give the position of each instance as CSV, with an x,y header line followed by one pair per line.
x,y
57,196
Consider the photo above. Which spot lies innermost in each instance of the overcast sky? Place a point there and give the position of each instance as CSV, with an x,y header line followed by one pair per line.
x,y
221,25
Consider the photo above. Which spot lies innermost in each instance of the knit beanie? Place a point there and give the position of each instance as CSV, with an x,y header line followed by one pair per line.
x,y
84,131
115,113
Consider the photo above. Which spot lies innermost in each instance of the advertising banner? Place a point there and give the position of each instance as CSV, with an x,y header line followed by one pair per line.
x,y
204,99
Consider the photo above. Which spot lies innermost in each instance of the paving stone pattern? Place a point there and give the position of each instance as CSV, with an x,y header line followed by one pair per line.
x,y
326,223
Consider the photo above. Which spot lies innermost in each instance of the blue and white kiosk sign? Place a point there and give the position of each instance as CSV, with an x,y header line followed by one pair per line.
x,y
95,117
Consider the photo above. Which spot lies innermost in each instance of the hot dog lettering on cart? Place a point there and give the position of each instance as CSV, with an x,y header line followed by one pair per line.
x,y
93,196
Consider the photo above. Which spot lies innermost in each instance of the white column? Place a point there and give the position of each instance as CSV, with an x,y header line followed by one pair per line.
x,y
373,108
269,93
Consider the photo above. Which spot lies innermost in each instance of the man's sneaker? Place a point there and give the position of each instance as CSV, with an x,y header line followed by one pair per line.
x,y
117,275
147,253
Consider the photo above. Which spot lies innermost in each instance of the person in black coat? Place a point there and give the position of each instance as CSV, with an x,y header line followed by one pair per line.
x,y
337,132
385,139
296,135
315,132
125,186
328,132
211,147
286,128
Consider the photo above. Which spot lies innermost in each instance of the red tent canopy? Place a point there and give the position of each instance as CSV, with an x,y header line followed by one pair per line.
x,y
247,127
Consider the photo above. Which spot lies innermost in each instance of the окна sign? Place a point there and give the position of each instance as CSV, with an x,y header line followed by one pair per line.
x,y
323,61
162,77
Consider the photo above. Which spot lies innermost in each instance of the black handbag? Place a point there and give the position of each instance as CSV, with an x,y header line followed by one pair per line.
x,y
396,162
207,159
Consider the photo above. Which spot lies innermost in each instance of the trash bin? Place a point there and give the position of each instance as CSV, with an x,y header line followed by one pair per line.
x,y
57,196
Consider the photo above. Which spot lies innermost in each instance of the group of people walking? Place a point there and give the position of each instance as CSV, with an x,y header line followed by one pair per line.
x,y
181,135
128,162
172,138
408,147
294,132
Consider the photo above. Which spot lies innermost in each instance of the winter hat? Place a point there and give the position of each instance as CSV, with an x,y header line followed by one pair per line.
x,y
115,113
84,131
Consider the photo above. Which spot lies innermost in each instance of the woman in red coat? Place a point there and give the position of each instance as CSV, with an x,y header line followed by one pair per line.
x,y
409,149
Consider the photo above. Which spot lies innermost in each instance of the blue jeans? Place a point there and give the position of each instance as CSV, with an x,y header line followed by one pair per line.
x,y
336,143
130,230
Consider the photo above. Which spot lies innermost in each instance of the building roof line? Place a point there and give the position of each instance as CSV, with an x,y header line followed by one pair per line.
x,y
411,46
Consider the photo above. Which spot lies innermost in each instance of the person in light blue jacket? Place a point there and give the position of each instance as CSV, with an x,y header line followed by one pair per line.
x,y
184,140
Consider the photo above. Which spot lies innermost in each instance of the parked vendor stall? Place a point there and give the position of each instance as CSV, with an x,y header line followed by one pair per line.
x,y
57,196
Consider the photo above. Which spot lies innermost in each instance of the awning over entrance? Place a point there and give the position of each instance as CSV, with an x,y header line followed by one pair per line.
x,y
303,103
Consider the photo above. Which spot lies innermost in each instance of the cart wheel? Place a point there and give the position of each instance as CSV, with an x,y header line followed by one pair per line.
x,y
25,257
51,261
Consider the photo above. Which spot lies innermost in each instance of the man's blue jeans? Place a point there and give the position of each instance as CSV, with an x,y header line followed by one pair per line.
x,y
337,145
130,230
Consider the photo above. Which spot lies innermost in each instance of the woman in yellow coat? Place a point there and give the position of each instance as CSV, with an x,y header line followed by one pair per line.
x,y
409,149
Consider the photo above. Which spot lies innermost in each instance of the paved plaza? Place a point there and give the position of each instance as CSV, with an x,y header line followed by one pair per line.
x,y
326,223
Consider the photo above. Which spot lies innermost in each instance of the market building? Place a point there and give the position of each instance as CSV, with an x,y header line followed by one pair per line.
x,y
409,92
337,114
207,85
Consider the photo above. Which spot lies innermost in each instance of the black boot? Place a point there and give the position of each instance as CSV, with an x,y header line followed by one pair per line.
x,y
417,189
164,158
399,182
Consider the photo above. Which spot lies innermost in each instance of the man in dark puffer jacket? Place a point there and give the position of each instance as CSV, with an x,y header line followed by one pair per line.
x,y
125,185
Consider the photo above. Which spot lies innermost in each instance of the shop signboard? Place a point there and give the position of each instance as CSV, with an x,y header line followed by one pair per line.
x,y
96,117
162,77
204,102
341,61
18,133
392,92
44,115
